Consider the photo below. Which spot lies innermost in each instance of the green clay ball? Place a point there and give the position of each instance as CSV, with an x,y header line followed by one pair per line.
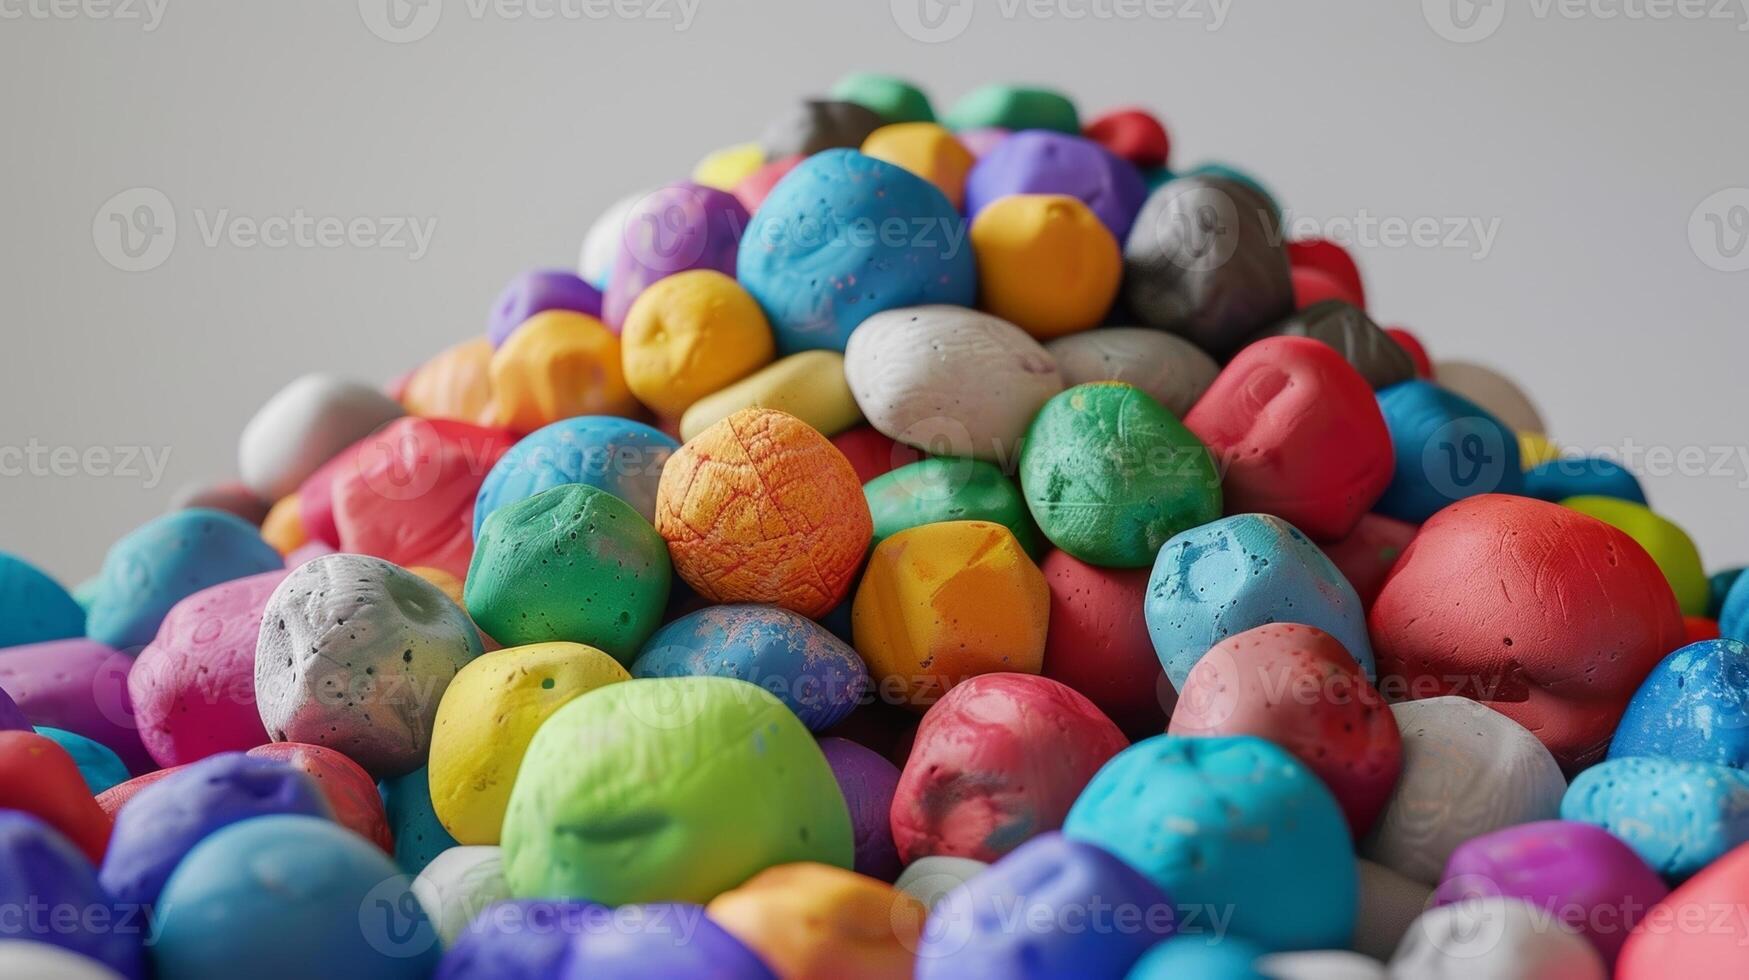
x,y
893,99
669,789
1014,107
1110,474
1670,546
573,563
945,488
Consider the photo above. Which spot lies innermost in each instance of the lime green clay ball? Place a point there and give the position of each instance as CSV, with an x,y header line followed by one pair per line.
x,y
1669,545
893,99
669,789
946,488
574,564
1014,107
1110,474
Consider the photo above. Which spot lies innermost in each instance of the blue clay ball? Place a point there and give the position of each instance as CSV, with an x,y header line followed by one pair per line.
x,y
1678,816
1447,448
622,457
97,762
1204,957
291,897
845,236
33,607
813,672
166,560
1718,588
1694,706
1559,479
1229,824
1241,572
419,835
157,828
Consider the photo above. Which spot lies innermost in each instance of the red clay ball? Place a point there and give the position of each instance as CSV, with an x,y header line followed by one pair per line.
x,y
1098,642
1314,286
38,777
998,760
1366,556
1698,930
1547,615
1300,435
348,788
1298,687
1331,259
1416,351
1133,135
872,453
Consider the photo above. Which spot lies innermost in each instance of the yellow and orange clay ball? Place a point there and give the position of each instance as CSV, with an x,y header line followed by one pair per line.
x,y
1046,263
928,150
760,507
810,385
816,922
559,364
941,603
689,335
456,384
283,527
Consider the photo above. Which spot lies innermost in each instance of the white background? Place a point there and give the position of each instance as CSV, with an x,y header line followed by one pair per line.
x,y
1590,139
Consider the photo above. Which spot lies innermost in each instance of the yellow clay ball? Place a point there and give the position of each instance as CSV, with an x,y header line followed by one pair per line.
x,y
813,920
689,335
810,385
724,168
487,717
928,150
283,527
1535,449
559,364
944,602
1046,263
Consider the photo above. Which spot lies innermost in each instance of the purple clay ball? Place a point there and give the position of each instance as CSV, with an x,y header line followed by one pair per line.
x,y
868,781
1052,907
1577,871
537,292
1037,161
677,228
574,940
79,686
12,719
55,898
157,828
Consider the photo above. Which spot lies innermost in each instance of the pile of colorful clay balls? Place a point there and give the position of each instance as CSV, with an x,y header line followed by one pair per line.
x,y
953,549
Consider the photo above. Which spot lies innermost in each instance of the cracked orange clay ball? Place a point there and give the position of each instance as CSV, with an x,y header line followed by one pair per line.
x,y
942,603
760,507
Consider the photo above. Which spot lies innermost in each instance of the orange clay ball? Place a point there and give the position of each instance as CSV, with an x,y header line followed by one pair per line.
x,y
559,364
944,602
1046,263
456,385
760,507
928,150
810,921
691,334
283,527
